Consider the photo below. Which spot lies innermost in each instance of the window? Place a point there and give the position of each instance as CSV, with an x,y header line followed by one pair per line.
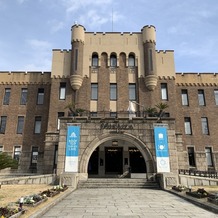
x,y
94,60
113,61
76,59
185,97
34,156
164,95
209,158
7,96
20,124
150,60
188,130
204,124
40,96
1,148
131,61
62,91
38,123
93,114
201,98
17,152
216,96
60,114
113,92
3,124
23,98
94,91
191,156
113,114
132,92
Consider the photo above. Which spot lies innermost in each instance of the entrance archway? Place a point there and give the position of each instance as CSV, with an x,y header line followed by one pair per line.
x,y
128,138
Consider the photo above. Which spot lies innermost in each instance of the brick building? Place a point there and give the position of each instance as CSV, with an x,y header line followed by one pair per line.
x,y
113,80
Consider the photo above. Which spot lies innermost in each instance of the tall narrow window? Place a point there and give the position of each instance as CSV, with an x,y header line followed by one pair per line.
x,y
35,154
216,96
3,124
17,152
94,91
191,156
38,123
132,92
1,148
7,96
40,96
209,158
113,92
60,114
20,124
164,94
94,60
150,60
185,97
62,91
131,61
76,59
113,61
188,129
204,124
23,98
201,98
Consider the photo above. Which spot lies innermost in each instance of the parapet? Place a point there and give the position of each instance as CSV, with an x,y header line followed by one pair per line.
x,y
149,34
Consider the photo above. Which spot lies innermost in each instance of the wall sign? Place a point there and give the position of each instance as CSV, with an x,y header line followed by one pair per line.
x,y
161,147
72,149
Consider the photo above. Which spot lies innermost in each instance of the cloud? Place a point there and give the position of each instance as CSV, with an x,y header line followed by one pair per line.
x,y
56,25
39,44
21,1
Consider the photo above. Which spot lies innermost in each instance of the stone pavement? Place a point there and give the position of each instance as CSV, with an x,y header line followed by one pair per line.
x,y
122,202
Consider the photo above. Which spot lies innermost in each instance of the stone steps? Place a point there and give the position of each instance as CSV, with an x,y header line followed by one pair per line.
x,y
117,183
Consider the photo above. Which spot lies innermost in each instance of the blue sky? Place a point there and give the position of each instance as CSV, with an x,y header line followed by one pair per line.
x,y
30,29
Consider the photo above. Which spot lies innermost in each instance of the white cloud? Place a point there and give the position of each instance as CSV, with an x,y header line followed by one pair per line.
x,y
56,25
21,1
39,44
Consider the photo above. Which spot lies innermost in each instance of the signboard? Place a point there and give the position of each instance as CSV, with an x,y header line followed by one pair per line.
x,y
72,149
161,147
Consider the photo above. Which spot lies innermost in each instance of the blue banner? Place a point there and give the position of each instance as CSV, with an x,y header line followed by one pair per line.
x,y
73,139
161,147
161,142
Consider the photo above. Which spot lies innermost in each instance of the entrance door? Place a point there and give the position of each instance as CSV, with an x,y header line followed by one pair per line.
x,y
93,162
113,160
137,162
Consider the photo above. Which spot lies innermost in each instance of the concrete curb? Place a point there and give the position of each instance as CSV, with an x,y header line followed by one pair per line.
x,y
199,202
43,210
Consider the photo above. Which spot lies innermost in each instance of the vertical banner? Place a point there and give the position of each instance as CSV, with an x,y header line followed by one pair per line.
x,y
161,147
72,149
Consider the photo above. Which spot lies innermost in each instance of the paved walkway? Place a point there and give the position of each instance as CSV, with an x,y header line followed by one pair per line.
x,y
105,203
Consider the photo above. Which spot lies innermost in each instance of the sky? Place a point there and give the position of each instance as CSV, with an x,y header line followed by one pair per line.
x,y
30,29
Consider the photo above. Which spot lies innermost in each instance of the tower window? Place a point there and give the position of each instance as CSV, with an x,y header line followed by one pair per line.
x,y
40,96
164,94
94,60
23,99
188,129
131,62
185,101
62,91
7,96
113,61
132,92
94,91
113,92
191,156
201,98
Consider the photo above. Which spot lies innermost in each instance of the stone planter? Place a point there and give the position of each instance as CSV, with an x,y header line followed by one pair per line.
x,y
16,215
213,199
36,203
196,195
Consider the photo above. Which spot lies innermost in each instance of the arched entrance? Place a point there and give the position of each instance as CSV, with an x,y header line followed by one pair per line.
x,y
114,154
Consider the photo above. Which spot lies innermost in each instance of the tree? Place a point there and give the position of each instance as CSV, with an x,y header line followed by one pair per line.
x,y
73,110
7,161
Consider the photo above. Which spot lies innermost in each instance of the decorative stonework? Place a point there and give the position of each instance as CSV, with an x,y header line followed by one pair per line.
x,y
76,81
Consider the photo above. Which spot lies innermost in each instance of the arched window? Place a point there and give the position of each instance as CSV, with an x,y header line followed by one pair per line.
x,y
131,60
94,60
113,60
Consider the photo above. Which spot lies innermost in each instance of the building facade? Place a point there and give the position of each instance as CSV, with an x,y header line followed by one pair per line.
x,y
110,81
